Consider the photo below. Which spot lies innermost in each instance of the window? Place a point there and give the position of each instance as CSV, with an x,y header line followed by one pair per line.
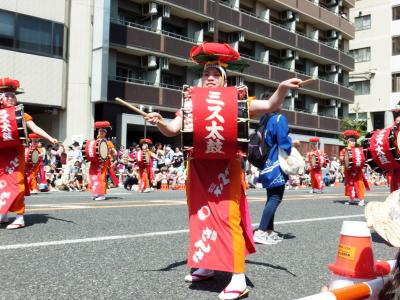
x,y
396,45
396,83
362,22
361,87
32,35
396,13
7,29
362,54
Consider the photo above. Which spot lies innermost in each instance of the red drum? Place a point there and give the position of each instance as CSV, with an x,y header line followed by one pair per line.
x,y
31,156
95,150
12,126
381,148
354,158
208,128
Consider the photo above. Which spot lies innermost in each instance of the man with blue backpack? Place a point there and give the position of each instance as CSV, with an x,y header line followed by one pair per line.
x,y
275,136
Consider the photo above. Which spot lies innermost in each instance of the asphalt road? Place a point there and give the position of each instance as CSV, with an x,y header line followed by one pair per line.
x,y
134,246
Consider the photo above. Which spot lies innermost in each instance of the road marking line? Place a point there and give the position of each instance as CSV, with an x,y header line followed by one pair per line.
x,y
150,234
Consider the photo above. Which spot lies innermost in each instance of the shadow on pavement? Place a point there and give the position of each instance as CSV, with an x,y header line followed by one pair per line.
x,y
33,219
270,266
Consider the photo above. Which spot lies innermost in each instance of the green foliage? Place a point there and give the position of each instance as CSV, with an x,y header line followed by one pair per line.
x,y
359,125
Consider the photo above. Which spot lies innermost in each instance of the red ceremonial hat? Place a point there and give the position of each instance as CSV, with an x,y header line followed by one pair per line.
x,y
34,136
351,133
10,85
102,124
314,139
145,141
217,53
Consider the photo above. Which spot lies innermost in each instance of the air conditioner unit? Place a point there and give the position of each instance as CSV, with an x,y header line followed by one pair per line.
x,y
330,69
331,2
287,15
166,11
332,103
239,80
150,8
149,61
332,34
339,104
210,26
164,63
286,54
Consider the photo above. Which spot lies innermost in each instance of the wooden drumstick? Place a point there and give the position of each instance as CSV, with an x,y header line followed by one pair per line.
x,y
135,109
308,81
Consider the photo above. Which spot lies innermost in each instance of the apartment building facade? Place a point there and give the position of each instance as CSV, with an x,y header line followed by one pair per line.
x,y
138,50
376,50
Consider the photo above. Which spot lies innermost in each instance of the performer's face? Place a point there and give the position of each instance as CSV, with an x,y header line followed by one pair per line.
x,y
102,133
145,147
212,78
352,142
8,99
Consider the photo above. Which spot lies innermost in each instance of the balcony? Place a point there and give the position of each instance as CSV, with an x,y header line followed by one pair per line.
x,y
145,38
312,122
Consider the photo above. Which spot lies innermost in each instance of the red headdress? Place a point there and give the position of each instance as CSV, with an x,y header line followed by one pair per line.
x,y
10,85
351,134
218,55
34,136
102,124
314,139
145,141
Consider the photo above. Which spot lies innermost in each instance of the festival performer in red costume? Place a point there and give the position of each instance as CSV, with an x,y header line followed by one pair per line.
x,y
219,221
99,169
353,159
316,159
12,159
144,161
393,176
32,169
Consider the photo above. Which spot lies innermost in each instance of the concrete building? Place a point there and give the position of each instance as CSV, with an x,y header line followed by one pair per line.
x,y
138,50
376,50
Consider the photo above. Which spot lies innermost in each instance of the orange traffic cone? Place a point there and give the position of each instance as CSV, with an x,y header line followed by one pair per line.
x,y
355,259
164,186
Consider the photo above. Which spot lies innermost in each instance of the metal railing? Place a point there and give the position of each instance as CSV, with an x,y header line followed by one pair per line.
x,y
144,82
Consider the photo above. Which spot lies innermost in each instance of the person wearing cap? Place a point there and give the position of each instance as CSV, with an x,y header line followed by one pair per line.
x,y
215,59
9,88
98,171
355,181
316,160
144,161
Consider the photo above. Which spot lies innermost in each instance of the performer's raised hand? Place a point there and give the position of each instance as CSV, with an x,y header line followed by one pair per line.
x,y
292,83
154,118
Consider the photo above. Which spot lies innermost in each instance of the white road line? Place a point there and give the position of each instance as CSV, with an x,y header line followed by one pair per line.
x,y
149,234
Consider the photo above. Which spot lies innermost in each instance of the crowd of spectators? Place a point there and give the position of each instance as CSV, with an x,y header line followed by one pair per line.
x,y
66,170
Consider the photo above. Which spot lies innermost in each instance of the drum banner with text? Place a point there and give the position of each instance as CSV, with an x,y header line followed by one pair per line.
x,y
215,123
9,136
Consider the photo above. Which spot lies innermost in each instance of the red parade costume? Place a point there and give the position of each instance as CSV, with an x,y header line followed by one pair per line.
x,y
354,160
316,160
145,164
99,153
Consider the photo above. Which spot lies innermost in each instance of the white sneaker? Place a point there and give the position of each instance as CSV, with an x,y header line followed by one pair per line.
x,y
361,203
263,238
99,198
275,236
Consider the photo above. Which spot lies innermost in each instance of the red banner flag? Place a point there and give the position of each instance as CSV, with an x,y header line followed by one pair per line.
x,y
215,118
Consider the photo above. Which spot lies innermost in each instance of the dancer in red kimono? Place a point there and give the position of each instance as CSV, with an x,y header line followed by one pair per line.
x,y
12,158
393,176
316,159
144,161
353,159
99,169
219,221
